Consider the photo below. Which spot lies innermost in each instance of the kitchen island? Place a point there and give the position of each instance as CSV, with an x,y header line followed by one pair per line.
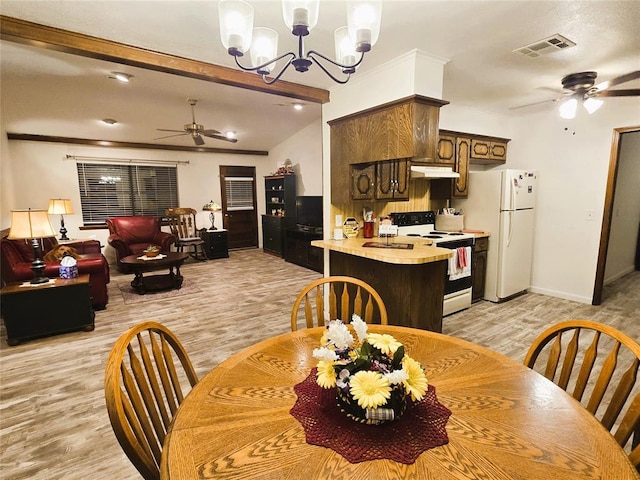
x,y
410,281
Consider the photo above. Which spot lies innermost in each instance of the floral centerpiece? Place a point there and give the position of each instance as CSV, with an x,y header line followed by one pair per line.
x,y
374,376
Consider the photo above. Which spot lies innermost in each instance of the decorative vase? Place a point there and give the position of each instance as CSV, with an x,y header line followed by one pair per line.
x,y
388,412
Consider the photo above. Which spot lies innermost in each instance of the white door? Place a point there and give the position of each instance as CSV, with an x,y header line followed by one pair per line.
x,y
515,252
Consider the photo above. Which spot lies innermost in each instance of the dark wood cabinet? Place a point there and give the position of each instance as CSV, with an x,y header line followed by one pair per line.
x,y
489,150
460,185
56,307
446,150
280,201
215,243
392,179
363,181
298,249
479,268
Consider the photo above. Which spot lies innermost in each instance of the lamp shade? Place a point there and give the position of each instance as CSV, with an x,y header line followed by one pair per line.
x,y
30,224
60,206
236,24
364,18
211,207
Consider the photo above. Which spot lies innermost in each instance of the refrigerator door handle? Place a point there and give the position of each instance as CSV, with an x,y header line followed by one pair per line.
x,y
511,222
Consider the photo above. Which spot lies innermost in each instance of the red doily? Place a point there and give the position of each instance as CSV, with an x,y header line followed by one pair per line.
x,y
421,427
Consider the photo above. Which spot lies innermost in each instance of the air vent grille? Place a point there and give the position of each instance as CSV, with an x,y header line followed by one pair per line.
x,y
544,47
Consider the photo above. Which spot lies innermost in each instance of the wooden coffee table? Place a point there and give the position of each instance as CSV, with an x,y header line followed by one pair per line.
x,y
152,283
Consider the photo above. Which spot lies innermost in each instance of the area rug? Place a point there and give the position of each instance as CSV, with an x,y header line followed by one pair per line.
x,y
130,296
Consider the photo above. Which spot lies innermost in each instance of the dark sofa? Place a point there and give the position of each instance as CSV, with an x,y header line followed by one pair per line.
x,y
16,257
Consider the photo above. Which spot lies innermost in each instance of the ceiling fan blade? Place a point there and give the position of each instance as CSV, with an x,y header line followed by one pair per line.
x,y
630,92
617,81
198,139
537,103
167,136
167,130
210,131
220,137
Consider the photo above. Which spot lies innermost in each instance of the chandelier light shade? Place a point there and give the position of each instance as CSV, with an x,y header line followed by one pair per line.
x,y
61,206
32,225
212,207
352,42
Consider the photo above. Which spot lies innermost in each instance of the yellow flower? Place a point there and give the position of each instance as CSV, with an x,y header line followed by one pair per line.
x,y
370,389
383,342
416,383
326,374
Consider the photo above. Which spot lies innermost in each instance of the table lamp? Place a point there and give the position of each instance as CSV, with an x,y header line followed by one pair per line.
x,y
32,224
61,206
212,207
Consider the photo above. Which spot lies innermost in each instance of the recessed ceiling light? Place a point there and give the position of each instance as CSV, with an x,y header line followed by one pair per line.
x,y
109,121
120,76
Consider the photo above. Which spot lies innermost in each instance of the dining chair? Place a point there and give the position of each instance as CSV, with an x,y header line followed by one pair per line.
x,y
143,390
598,360
346,296
182,222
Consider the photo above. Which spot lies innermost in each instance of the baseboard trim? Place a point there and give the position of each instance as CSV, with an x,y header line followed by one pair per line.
x,y
566,296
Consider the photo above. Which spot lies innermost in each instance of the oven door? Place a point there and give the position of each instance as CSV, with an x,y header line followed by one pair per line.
x,y
459,284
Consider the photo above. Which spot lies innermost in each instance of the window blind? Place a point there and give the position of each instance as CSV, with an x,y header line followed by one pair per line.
x,y
239,193
119,190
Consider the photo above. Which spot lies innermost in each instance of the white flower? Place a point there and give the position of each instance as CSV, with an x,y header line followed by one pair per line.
x,y
342,380
396,376
338,334
325,354
359,326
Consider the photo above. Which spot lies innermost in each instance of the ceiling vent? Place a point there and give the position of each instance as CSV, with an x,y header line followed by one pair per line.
x,y
544,47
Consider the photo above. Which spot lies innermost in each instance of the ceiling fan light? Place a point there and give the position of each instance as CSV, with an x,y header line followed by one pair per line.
x,y
592,105
264,47
363,20
230,134
300,15
568,109
236,26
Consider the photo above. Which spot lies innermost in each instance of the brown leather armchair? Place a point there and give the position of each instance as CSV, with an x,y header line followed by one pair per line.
x,y
17,255
131,235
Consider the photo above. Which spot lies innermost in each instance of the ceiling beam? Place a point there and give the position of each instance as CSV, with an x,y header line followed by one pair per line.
x,y
43,36
108,143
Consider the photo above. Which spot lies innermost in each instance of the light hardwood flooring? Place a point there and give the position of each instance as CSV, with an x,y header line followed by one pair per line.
x,y
53,422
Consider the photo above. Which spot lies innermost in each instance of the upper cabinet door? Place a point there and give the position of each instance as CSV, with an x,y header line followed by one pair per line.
x,y
490,150
461,184
392,179
446,150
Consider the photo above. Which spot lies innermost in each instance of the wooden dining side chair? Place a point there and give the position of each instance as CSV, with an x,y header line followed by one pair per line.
x,y
182,222
602,362
346,296
147,376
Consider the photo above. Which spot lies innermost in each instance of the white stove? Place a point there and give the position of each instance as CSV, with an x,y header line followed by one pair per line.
x,y
458,282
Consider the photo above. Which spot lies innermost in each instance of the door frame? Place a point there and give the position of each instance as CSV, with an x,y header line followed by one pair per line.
x,y
607,214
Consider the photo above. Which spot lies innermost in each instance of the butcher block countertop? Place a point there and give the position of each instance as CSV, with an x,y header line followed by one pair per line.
x,y
419,254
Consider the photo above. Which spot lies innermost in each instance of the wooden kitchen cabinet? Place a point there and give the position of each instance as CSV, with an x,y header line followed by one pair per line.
x,y
446,150
363,181
479,268
403,129
460,185
392,179
489,150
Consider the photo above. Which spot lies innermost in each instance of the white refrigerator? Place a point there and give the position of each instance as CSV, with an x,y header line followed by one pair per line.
x,y
502,202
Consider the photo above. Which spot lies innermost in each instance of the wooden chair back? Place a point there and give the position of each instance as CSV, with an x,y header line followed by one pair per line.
x,y
346,296
147,376
182,222
601,362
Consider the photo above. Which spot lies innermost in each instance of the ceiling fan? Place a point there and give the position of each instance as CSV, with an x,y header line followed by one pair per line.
x,y
196,130
581,87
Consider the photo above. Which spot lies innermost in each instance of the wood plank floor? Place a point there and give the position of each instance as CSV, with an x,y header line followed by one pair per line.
x,y
53,422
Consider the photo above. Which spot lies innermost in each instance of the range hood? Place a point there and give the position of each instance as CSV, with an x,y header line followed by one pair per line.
x,y
423,171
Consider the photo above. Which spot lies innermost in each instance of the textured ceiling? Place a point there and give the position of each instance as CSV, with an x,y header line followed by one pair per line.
x,y
52,93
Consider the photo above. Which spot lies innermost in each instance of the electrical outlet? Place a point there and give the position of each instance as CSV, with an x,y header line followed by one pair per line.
x,y
590,215
338,220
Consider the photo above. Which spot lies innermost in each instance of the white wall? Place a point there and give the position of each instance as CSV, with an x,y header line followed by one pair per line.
x,y
626,210
304,150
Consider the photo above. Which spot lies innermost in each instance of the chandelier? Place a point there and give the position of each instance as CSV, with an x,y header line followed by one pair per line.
x,y
351,42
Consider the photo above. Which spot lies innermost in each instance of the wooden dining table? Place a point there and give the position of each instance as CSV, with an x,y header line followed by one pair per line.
x,y
507,421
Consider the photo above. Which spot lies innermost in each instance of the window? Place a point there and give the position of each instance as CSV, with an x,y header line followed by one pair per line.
x,y
239,192
120,190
